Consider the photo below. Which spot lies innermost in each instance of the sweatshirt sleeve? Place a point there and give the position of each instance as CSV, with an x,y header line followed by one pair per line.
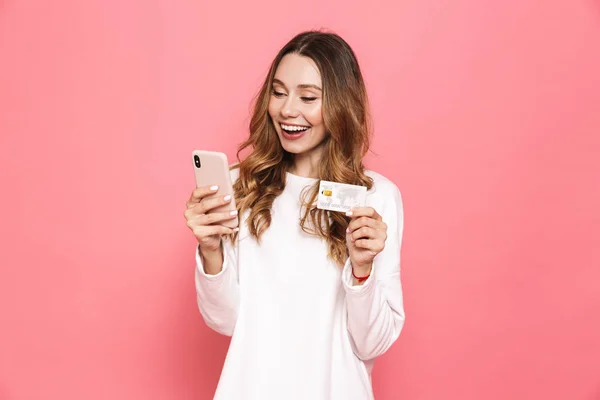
x,y
375,308
218,295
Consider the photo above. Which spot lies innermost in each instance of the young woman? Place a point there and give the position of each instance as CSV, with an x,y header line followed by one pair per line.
x,y
310,297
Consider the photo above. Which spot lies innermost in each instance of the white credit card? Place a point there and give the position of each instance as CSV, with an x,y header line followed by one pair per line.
x,y
340,197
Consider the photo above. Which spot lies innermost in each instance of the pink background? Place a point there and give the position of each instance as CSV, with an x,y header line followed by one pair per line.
x,y
487,116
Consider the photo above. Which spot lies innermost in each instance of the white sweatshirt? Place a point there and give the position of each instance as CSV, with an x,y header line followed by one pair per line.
x,y
300,329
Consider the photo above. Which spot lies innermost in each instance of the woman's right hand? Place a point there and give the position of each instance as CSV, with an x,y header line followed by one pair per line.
x,y
206,226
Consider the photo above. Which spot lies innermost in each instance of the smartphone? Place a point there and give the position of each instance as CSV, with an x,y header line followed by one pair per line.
x,y
211,168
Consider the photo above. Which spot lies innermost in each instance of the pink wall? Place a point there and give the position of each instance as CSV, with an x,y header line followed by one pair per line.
x,y
487,116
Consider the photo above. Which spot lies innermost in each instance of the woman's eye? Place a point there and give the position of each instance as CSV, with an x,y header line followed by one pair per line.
x,y
307,99
277,94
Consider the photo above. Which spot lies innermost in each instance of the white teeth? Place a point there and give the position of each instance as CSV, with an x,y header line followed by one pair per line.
x,y
294,128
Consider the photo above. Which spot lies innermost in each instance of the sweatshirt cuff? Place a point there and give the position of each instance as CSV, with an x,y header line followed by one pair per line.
x,y
348,280
200,265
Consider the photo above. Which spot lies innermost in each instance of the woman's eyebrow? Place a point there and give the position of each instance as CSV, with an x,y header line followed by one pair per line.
x,y
301,86
308,86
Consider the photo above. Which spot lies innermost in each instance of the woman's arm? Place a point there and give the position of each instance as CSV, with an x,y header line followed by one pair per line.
x,y
217,288
375,308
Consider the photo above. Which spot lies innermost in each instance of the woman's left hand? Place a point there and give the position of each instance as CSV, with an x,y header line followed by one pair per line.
x,y
365,238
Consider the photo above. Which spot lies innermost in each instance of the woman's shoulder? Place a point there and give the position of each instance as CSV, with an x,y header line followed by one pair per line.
x,y
382,186
385,197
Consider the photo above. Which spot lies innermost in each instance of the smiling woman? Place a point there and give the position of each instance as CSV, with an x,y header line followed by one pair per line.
x,y
310,297
315,81
295,108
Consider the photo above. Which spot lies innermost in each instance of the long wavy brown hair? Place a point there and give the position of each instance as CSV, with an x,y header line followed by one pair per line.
x,y
345,113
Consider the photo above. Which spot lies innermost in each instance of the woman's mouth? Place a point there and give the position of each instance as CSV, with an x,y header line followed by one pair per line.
x,y
293,132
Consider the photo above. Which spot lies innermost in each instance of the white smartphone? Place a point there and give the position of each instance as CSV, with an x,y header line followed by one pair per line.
x,y
211,168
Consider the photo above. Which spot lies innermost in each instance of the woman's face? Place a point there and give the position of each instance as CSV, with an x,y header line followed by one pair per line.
x,y
296,104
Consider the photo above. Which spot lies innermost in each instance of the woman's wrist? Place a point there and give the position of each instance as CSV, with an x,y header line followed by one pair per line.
x,y
212,260
360,273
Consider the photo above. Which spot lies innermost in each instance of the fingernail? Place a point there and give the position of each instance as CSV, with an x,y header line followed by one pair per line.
x,y
234,212
347,230
349,214
214,188
227,198
236,229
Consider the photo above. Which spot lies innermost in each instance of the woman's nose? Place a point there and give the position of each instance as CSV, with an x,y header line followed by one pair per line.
x,y
289,110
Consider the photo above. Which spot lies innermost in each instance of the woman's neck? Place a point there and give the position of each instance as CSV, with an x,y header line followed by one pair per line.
x,y
308,164
305,165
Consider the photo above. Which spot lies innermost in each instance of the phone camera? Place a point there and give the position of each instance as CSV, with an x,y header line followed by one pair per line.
x,y
197,161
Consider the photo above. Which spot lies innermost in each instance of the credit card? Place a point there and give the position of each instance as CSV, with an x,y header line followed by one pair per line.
x,y
340,197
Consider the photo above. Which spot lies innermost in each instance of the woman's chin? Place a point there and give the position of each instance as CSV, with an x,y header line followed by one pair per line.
x,y
298,147
292,150
292,147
